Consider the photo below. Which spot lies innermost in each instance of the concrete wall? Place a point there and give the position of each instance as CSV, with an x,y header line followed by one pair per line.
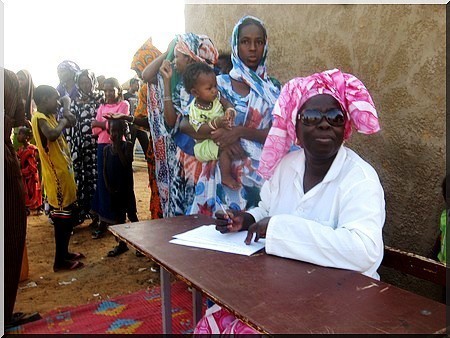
x,y
398,51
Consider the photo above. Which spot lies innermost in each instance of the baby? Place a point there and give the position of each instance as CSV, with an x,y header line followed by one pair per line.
x,y
206,114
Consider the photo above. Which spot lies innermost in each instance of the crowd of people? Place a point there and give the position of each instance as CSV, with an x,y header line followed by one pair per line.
x,y
217,132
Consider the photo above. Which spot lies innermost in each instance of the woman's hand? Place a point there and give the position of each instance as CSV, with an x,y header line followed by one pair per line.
x,y
65,102
166,70
98,124
233,221
237,152
225,137
258,228
115,116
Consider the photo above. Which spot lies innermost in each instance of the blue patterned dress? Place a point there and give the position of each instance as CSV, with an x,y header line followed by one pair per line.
x,y
252,111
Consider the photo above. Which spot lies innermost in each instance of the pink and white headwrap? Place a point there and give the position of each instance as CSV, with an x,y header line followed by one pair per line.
x,y
349,91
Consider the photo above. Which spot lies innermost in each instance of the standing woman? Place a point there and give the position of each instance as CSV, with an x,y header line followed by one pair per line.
x,y
168,100
141,59
15,218
174,168
26,92
82,143
253,94
26,89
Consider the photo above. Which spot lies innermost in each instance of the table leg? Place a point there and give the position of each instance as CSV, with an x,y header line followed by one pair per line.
x,y
166,301
197,305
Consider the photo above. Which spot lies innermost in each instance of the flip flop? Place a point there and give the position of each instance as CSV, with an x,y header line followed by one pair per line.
x,y
70,265
20,318
73,256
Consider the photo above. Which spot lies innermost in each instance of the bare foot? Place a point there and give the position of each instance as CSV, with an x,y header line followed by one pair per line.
x,y
230,182
74,256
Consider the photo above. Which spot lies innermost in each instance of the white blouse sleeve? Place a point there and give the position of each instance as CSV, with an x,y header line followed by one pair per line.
x,y
355,244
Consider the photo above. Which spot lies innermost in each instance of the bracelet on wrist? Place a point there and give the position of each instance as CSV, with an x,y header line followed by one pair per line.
x,y
211,126
214,123
167,98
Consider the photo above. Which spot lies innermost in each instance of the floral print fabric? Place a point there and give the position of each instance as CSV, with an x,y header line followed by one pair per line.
x,y
83,149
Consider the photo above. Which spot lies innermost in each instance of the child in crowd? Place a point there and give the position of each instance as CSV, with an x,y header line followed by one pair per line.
x,y
57,171
206,115
29,158
118,177
114,103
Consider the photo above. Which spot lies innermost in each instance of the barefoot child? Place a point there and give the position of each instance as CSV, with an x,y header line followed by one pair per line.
x,y
57,171
29,157
206,115
118,177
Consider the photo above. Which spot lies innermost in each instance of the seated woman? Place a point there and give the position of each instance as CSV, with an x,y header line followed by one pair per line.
x,y
322,204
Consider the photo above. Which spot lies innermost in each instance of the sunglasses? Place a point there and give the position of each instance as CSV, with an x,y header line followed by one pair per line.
x,y
311,117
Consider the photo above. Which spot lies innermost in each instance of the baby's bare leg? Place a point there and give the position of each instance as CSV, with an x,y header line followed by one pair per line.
x,y
225,160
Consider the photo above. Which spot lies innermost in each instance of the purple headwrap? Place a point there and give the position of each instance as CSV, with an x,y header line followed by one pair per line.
x,y
69,65
349,91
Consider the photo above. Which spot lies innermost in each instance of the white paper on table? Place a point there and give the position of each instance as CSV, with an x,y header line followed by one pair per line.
x,y
207,237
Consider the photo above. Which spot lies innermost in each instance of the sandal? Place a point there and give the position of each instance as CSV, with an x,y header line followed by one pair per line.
x,y
20,318
97,234
68,265
118,250
93,224
74,256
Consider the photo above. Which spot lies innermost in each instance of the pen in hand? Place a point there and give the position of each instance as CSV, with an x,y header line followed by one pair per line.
x,y
221,206
226,217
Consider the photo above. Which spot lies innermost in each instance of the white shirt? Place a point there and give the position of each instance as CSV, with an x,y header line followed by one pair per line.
x,y
338,223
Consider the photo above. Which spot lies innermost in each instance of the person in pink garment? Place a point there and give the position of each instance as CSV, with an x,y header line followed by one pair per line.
x,y
114,103
321,203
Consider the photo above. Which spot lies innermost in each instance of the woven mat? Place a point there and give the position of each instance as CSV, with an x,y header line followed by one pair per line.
x,y
135,313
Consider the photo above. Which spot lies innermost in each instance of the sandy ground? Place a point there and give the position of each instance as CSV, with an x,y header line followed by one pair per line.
x,y
101,278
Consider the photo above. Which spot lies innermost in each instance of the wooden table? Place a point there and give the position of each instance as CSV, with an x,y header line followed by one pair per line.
x,y
279,295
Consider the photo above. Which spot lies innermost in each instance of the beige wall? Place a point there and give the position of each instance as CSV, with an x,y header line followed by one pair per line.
x,y
398,51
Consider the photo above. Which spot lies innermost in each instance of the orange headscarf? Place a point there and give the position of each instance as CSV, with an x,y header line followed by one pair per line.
x,y
144,56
